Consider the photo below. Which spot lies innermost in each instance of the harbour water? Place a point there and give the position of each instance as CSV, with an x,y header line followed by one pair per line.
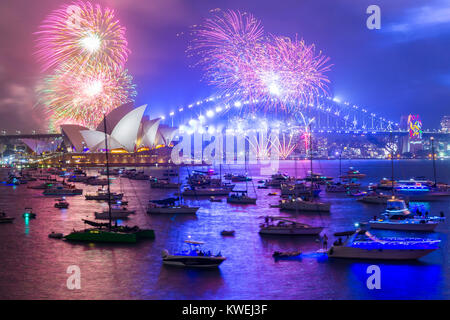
x,y
33,266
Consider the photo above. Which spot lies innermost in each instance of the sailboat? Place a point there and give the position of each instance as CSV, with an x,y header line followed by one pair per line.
x,y
107,232
242,197
310,204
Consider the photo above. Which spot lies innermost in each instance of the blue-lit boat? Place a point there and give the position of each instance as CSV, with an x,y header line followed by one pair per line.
x,y
194,256
361,244
417,190
398,217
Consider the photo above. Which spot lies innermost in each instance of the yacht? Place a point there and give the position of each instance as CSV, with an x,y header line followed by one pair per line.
x,y
103,195
374,198
317,177
95,181
62,190
163,184
240,197
206,191
361,244
337,188
277,179
283,226
154,208
304,205
117,212
299,189
419,190
398,217
139,176
194,257
353,174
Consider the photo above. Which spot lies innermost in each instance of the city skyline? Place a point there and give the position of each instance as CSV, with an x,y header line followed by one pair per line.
x,y
394,71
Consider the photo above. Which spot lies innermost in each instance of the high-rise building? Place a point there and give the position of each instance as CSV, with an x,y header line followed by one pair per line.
x,y
445,124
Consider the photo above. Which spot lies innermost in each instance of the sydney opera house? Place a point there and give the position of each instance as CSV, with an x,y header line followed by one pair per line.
x,y
132,138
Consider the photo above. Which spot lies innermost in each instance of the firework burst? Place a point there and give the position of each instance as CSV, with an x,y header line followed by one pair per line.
x,y
271,73
284,146
82,33
83,97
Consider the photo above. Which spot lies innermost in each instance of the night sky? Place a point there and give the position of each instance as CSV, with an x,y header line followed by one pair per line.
x,y
402,68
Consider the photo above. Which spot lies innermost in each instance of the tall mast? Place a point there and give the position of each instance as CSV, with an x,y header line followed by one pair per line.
x,y
311,161
434,161
107,172
392,164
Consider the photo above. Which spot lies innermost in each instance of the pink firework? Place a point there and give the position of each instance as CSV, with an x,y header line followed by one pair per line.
x,y
84,33
270,73
226,45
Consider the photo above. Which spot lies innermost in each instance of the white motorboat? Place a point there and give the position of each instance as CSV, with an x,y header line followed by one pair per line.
x,y
193,257
361,244
277,179
304,205
283,226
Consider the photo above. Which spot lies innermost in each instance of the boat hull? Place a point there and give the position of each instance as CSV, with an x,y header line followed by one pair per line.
x,y
425,227
291,231
306,206
345,252
193,262
101,236
173,210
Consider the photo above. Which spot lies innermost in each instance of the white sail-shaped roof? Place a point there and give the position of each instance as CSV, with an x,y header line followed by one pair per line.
x,y
126,131
95,140
150,128
72,133
166,134
114,117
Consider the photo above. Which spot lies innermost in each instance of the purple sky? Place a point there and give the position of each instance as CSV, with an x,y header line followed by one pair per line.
x,y
402,68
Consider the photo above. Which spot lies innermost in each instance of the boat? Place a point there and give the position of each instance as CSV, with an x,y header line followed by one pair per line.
x,y
62,190
56,235
193,257
317,177
117,212
240,178
139,176
206,191
213,199
96,181
283,226
398,217
374,198
277,179
336,188
78,178
153,208
104,195
286,254
419,190
61,204
163,184
304,205
353,174
29,214
361,244
5,219
227,233
41,186
386,184
240,197
299,189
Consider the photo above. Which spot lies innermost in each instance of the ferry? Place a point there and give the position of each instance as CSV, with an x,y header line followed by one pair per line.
x,y
193,257
361,244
